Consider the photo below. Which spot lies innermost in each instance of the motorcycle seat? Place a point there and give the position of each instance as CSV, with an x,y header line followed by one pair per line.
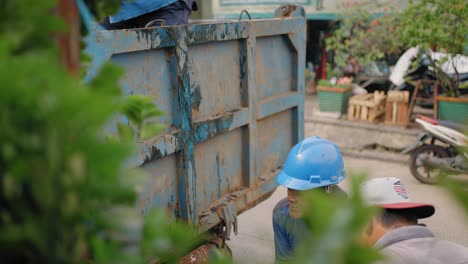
x,y
450,124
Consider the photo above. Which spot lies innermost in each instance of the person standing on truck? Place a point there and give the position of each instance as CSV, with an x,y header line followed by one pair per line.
x,y
312,164
396,232
138,13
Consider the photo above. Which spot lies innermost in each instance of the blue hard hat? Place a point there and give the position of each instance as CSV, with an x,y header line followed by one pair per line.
x,y
314,162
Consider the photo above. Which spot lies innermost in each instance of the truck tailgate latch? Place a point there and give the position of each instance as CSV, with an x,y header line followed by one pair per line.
x,y
228,214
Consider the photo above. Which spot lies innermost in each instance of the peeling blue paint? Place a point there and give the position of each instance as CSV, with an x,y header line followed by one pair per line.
x,y
213,127
189,177
196,97
217,32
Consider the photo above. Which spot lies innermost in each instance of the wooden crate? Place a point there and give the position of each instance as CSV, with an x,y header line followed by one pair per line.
x,y
396,108
367,107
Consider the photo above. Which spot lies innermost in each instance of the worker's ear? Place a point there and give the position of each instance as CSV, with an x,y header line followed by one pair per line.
x,y
368,234
370,226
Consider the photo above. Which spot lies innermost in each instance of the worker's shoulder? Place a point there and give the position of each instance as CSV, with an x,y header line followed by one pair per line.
x,y
281,208
421,250
283,203
451,250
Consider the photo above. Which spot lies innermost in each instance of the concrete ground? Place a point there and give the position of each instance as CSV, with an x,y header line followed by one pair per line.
x,y
254,243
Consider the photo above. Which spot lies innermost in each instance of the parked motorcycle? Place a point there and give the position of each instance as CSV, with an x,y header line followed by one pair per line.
x,y
404,76
441,148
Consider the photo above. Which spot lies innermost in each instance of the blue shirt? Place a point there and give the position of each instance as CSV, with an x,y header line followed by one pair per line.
x,y
136,8
288,231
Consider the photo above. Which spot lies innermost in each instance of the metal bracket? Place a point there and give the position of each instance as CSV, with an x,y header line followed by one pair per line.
x,y
228,214
289,10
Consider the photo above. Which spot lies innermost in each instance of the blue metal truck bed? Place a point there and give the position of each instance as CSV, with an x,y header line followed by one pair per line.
x,y
232,93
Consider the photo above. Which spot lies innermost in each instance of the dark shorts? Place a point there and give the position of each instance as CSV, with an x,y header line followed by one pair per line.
x,y
173,14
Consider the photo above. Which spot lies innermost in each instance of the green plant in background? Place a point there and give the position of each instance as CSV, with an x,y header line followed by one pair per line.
x,y
327,83
333,70
440,25
366,32
141,113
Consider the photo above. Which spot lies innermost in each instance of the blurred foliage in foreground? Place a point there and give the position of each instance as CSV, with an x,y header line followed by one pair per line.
x,y
336,225
65,195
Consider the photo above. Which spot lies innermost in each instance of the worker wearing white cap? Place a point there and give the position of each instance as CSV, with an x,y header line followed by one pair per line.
x,y
396,232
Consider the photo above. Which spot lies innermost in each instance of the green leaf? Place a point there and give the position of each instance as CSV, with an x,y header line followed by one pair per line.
x,y
336,225
126,132
151,130
166,239
139,108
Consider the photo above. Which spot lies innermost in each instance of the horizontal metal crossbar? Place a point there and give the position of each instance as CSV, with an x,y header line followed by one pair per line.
x,y
173,140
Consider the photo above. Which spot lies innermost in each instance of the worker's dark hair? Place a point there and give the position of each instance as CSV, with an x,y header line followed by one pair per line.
x,y
391,217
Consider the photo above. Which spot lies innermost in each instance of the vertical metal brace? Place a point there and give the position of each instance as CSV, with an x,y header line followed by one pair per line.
x,y
228,214
186,160
250,84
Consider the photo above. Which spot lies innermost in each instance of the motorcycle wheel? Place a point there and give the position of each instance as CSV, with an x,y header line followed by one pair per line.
x,y
422,173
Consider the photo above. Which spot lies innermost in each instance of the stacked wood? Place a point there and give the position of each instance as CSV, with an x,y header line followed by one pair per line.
x,y
367,107
396,109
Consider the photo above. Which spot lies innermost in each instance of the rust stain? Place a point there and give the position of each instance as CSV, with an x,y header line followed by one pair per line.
x,y
69,42
198,256
271,161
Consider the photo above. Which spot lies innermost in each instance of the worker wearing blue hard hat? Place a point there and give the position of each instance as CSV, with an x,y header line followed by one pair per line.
x,y
314,163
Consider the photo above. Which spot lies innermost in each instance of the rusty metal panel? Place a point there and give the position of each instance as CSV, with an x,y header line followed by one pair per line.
x,y
233,97
149,72
160,187
223,74
219,167
275,66
275,137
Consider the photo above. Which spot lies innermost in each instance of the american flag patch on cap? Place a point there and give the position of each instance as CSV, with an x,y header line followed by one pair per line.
x,y
400,189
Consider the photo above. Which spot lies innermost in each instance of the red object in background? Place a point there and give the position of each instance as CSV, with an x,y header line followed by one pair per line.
x,y
324,63
428,119
69,41
318,71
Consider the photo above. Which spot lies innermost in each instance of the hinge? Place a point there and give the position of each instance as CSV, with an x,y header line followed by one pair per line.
x,y
228,214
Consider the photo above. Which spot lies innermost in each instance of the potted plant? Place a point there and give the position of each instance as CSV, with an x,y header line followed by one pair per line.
x,y
365,35
334,94
440,25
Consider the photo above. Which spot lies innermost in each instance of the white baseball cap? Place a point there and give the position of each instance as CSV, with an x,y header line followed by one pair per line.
x,y
390,193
